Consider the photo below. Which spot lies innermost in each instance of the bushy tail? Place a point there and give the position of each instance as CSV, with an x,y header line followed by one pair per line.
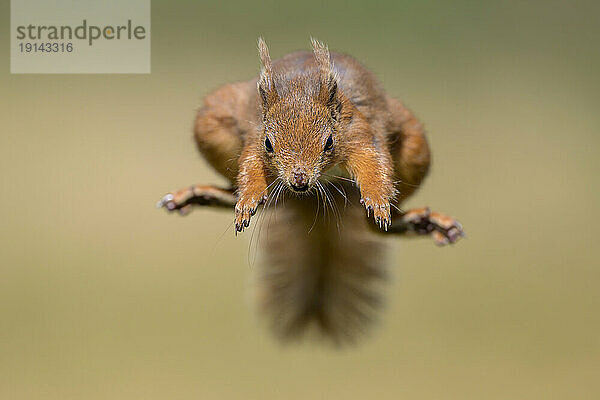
x,y
329,278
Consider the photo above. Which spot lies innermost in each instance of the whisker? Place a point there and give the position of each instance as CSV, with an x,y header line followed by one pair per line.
x,y
343,193
258,224
317,213
336,211
397,208
405,183
276,193
333,209
322,199
262,220
341,177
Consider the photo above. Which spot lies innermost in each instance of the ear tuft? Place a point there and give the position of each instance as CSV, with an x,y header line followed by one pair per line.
x,y
329,86
321,52
266,86
265,58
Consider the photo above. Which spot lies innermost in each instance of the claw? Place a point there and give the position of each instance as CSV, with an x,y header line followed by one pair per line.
x,y
165,200
440,239
243,213
443,229
185,210
380,209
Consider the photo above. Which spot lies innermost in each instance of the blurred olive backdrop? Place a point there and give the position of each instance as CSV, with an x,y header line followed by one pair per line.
x,y
102,296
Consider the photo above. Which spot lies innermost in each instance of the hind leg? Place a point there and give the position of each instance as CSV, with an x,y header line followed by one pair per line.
x,y
218,130
411,156
409,149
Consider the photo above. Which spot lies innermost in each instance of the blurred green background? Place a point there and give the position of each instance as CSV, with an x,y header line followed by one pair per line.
x,y
104,297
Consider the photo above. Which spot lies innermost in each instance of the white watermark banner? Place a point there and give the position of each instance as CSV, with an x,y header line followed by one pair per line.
x,y
80,36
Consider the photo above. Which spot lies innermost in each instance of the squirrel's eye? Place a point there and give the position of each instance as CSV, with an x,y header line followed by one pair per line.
x,y
268,145
329,143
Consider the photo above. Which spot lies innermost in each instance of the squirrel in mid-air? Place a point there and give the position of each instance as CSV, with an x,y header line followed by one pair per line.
x,y
330,156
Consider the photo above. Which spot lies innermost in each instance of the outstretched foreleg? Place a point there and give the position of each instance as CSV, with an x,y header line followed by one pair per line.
x,y
424,222
197,195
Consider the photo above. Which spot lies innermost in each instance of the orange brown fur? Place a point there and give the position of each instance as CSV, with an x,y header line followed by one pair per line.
x,y
306,117
302,100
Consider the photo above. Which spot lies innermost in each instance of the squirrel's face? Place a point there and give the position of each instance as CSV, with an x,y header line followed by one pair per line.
x,y
299,142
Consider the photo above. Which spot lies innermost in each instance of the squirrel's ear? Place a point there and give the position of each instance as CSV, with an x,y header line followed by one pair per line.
x,y
266,87
328,93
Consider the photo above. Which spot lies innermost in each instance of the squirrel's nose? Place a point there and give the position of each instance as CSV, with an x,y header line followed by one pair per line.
x,y
299,181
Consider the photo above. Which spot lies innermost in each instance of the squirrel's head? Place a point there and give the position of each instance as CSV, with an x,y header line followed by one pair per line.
x,y
301,120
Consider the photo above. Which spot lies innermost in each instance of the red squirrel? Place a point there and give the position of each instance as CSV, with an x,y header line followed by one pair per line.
x,y
314,139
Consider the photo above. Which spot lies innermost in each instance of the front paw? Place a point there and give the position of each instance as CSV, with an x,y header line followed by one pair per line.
x,y
381,211
443,229
245,208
